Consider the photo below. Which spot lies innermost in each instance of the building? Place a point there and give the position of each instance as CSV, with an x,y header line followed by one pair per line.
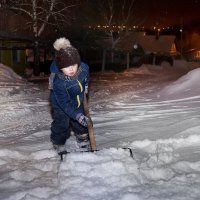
x,y
13,49
136,48
193,54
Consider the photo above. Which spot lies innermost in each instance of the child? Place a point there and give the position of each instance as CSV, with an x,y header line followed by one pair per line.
x,y
68,83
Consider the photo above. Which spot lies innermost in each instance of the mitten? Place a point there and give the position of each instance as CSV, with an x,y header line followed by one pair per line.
x,y
82,119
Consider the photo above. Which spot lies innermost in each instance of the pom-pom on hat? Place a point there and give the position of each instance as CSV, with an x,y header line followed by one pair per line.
x,y
65,53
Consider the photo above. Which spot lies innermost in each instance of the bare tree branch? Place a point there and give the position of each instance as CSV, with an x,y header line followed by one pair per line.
x,y
39,13
116,13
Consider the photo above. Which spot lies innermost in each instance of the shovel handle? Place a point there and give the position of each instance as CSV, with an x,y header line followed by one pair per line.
x,y
90,125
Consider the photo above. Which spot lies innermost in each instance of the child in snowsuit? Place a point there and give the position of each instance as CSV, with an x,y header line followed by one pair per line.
x,y
68,83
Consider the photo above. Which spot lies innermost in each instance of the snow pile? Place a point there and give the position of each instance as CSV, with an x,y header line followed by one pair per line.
x,y
10,82
7,75
80,176
188,85
144,69
159,70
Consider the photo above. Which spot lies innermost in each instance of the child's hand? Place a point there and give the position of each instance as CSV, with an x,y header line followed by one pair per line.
x,y
83,120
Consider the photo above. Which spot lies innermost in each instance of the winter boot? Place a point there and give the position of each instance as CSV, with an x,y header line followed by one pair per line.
x,y
83,142
59,148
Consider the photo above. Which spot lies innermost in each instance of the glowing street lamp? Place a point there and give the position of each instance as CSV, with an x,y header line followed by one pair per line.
x,y
181,31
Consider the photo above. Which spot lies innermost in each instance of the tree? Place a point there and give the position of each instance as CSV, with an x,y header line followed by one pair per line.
x,y
39,14
115,17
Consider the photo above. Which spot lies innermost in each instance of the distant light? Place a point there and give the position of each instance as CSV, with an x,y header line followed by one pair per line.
x,y
135,46
181,30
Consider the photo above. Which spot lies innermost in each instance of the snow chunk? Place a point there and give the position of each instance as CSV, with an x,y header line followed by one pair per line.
x,y
129,196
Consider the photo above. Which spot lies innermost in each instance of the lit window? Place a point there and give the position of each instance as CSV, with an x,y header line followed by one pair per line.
x,y
173,49
198,54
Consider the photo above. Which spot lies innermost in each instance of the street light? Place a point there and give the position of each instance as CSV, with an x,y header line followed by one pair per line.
x,y
181,31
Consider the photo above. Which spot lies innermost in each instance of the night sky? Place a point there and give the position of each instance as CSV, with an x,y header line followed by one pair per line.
x,y
167,12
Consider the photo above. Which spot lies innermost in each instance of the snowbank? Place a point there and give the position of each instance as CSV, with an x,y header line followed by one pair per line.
x,y
187,85
10,82
7,75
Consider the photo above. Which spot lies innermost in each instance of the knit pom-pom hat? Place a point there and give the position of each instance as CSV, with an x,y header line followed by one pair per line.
x,y
65,54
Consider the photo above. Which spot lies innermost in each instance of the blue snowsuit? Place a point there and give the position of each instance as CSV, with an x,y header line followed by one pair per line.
x,y
66,96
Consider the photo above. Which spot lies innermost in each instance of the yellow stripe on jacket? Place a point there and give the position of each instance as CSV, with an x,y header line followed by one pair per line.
x,y
80,85
77,97
78,101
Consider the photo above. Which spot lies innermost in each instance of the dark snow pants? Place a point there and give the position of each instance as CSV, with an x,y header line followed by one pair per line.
x,y
62,126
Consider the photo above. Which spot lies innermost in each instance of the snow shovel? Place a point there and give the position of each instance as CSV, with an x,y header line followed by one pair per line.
x,y
90,125
91,132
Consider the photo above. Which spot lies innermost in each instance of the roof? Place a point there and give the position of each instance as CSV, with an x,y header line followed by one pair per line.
x,y
193,50
14,36
149,43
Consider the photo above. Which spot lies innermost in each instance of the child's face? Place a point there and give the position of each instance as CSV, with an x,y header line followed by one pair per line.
x,y
70,70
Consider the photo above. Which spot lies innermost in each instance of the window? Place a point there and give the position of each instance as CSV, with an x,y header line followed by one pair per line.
x,y
198,54
15,56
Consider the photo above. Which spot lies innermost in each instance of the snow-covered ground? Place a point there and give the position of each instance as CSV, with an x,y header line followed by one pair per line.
x,y
153,110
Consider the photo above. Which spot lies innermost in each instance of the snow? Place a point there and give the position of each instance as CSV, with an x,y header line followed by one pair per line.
x,y
154,110
185,86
